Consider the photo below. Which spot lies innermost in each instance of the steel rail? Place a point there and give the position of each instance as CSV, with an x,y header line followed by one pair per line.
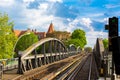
x,y
75,72
91,61
63,74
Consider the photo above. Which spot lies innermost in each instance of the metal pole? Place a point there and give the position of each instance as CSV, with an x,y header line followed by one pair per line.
x,y
43,50
36,65
50,51
55,50
20,63
112,77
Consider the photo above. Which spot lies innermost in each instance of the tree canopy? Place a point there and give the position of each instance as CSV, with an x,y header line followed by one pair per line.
x,y
105,43
88,49
78,38
7,37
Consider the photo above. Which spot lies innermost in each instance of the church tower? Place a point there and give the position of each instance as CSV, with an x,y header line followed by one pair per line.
x,y
61,35
51,28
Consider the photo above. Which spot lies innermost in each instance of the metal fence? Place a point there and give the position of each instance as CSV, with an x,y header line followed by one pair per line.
x,y
1,71
9,64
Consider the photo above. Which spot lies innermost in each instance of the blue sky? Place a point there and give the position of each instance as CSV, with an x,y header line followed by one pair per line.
x,y
67,15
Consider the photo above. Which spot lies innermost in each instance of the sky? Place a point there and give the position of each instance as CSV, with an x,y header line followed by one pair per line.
x,y
66,15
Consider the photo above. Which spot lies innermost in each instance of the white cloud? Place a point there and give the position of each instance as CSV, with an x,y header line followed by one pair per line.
x,y
83,23
6,3
28,0
43,6
35,18
87,22
97,14
40,19
112,5
93,35
55,1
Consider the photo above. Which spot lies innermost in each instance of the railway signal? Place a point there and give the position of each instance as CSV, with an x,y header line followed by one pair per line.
x,y
113,27
114,43
106,27
113,30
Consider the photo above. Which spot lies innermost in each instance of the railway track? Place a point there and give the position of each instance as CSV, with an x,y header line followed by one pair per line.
x,y
80,70
83,71
69,69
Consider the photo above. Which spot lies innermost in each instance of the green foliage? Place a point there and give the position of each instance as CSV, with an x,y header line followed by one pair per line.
x,y
25,41
7,37
88,49
78,34
78,38
105,43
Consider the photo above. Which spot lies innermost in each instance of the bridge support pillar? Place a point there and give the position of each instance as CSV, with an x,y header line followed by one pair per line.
x,y
39,62
50,51
43,51
20,71
59,50
28,66
47,60
55,51
36,62
63,51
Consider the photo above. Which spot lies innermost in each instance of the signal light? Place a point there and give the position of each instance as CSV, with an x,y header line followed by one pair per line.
x,y
113,27
113,30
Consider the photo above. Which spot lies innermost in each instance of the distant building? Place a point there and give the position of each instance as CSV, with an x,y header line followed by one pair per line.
x,y
50,29
61,35
18,33
40,35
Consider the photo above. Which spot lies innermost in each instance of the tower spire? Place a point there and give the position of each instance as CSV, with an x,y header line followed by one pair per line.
x,y
51,28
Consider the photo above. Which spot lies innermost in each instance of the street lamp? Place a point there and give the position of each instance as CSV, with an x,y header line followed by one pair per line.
x,y
18,40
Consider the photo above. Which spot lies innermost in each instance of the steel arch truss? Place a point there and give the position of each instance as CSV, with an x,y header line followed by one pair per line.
x,y
42,52
79,49
72,49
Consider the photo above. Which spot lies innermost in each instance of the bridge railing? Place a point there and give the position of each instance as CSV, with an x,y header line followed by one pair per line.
x,y
12,63
9,64
51,50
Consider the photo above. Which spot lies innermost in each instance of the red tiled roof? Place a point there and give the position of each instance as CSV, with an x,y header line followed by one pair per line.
x,y
41,33
17,32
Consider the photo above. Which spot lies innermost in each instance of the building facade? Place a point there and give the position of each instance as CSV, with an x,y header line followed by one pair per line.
x,y
61,35
40,35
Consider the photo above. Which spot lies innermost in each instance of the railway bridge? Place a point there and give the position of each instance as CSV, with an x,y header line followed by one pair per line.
x,y
50,59
51,50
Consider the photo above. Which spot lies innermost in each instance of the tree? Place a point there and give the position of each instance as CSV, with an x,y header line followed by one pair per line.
x,y
88,49
78,38
105,43
7,37
26,41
